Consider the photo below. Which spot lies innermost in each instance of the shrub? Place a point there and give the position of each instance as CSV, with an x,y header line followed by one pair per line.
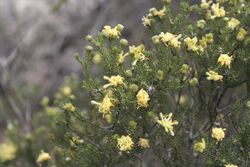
x,y
181,101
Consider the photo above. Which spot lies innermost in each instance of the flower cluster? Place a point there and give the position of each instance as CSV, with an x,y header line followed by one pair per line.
x,y
112,33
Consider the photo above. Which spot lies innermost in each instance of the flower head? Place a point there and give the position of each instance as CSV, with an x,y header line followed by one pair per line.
x,y
112,33
146,21
69,107
200,146
43,157
212,75
142,98
121,57
105,105
218,11
233,23
218,134
191,43
241,34
167,122
158,13
170,39
125,143
144,143
8,151
137,52
113,81
66,91
205,4
225,60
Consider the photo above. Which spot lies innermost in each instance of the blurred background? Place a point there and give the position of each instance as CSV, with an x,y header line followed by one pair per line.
x,y
39,38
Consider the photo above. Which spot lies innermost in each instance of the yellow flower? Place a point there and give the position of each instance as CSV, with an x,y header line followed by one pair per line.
x,y
113,81
142,98
159,13
203,42
146,21
231,165
241,34
121,57
167,122
45,101
125,143
51,111
209,37
205,4
218,134
170,39
212,75
137,52
232,23
8,151
144,143
43,157
191,43
200,146
112,33
218,11
105,105
225,59
66,91
69,107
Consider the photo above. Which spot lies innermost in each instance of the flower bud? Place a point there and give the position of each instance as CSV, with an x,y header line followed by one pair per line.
x,y
108,118
45,101
89,48
166,1
248,104
201,23
124,42
155,39
185,69
183,100
97,59
132,125
133,87
128,73
160,75
120,27
194,81
88,38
